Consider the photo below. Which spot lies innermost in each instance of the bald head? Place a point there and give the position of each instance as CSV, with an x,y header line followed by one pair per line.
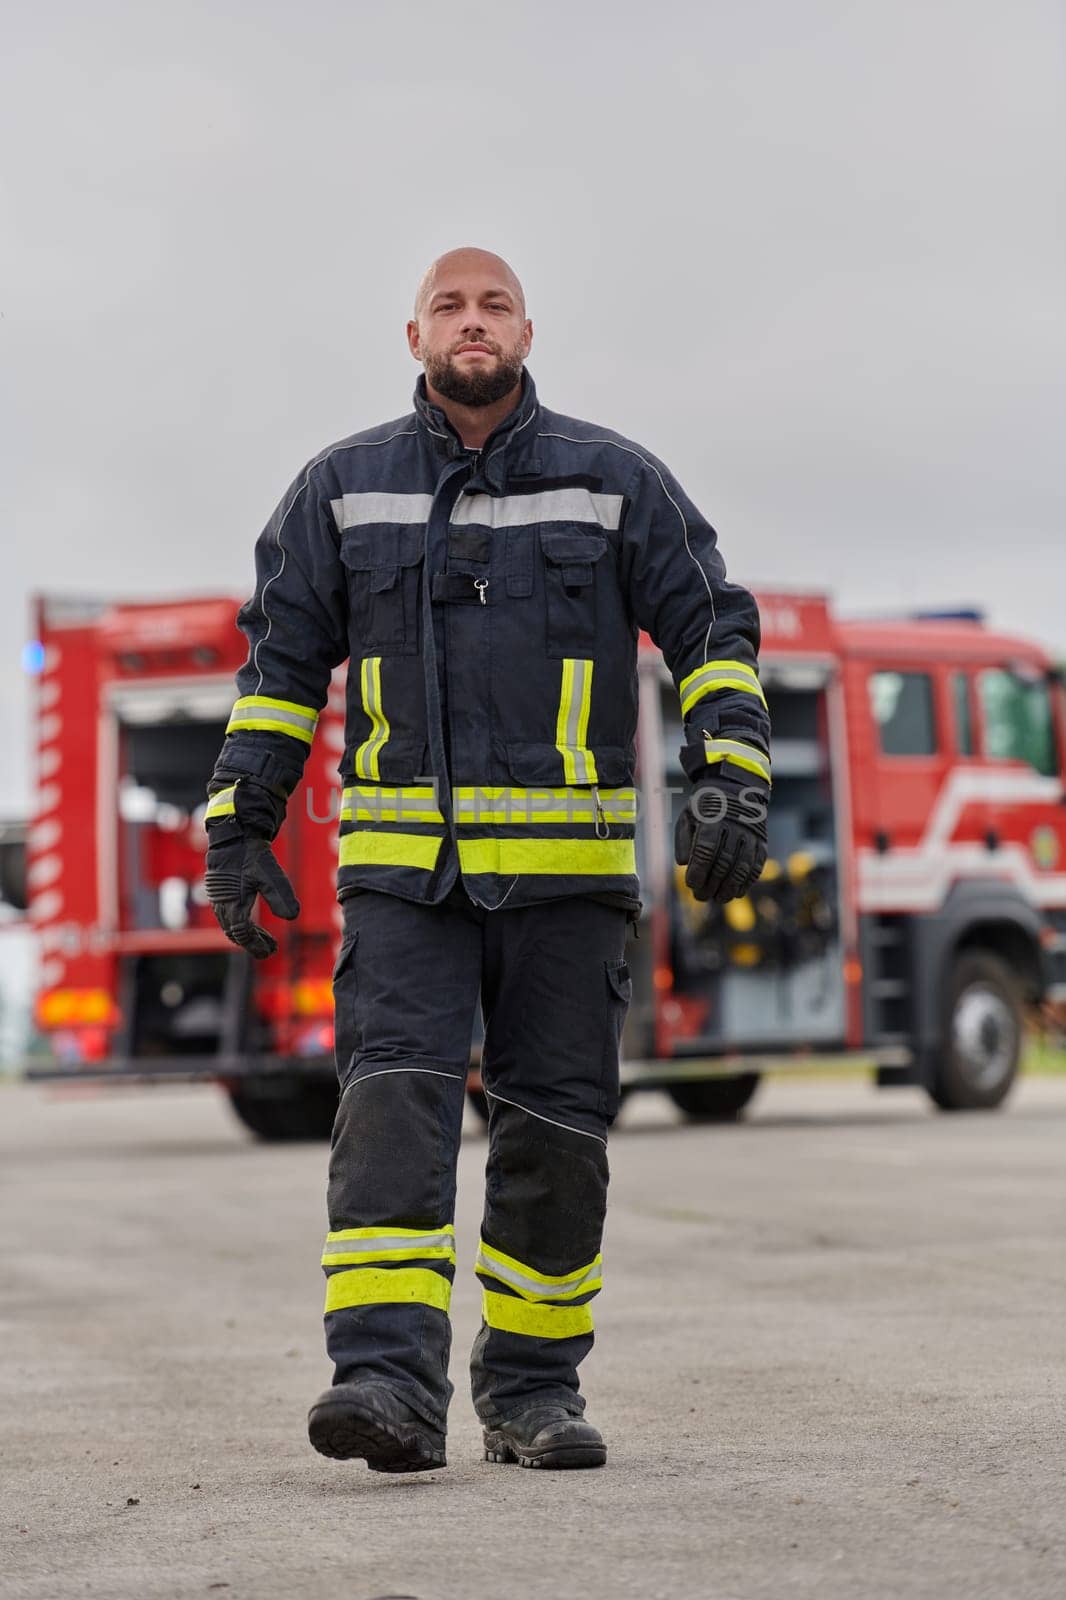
x,y
455,266
471,334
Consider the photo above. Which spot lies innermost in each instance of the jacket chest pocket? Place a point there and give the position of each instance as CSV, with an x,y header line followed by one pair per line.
x,y
383,566
571,560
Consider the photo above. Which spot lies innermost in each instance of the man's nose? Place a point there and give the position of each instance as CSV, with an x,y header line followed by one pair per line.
x,y
472,323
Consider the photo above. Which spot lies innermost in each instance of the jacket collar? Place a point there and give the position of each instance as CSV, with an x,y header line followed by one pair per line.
x,y
509,450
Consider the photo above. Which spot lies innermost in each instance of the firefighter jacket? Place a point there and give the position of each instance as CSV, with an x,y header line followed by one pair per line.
x,y
489,605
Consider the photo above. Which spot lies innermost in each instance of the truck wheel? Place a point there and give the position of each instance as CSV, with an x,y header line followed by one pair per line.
x,y
982,1034
284,1113
713,1099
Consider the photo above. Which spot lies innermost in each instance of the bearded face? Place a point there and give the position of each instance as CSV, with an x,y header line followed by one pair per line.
x,y
470,331
474,382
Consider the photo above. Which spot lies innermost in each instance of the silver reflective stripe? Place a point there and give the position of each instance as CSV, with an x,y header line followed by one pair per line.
x,y
390,803
526,805
374,1247
745,755
221,803
552,505
533,1288
717,675
270,713
362,510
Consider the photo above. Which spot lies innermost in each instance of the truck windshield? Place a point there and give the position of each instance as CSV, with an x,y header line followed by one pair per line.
x,y
1016,709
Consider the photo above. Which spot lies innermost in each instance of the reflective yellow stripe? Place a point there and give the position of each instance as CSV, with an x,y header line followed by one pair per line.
x,y
261,712
349,1246
748,756
488,804
565,857
384,1286
536,1286
572,721
525,806
390,1232
509,1315
347,1258
371,848
390,803
221,804
366,757
715,675
492,1254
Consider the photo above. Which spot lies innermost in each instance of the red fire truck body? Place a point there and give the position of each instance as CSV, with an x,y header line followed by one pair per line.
x,y
913,904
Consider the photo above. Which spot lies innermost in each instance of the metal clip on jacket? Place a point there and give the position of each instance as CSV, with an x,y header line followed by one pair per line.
x,y
602,828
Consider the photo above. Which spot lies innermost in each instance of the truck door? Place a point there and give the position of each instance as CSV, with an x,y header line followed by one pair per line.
x,y
903,723
908,747
1026,833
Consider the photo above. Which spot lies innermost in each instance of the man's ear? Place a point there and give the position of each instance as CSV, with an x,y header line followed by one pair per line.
x,y
528,331
414,342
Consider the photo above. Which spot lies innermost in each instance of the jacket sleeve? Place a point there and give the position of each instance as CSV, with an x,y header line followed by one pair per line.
x,y
706,627
296,624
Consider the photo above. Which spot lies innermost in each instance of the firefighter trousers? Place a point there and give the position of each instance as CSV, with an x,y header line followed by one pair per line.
x,y
554,988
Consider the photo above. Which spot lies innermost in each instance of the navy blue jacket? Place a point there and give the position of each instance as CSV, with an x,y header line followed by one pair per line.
x,y
503,750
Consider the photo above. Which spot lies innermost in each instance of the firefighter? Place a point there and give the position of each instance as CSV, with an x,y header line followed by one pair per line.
x,y
484,565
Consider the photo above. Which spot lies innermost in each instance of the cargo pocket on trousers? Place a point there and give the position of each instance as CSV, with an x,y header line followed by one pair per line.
x,y
619,987
345,1027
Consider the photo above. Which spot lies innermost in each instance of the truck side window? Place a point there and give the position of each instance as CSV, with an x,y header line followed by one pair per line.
x,y
960,692
902,706
1018,720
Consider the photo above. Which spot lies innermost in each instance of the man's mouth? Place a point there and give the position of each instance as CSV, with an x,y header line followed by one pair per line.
x,y
475,349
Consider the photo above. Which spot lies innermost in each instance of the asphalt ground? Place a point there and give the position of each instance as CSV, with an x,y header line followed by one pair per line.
x,y
831,1363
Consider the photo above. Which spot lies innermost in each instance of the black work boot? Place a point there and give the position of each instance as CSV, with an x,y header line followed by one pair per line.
x,y
366,1421
546,1436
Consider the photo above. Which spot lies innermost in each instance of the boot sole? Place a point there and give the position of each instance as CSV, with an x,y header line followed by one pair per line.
x,y
500,1450
348,1432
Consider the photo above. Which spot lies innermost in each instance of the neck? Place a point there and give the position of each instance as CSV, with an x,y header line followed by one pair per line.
x,y
473,424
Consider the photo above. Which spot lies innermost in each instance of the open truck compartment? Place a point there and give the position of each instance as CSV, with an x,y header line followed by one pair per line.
x,y
767,970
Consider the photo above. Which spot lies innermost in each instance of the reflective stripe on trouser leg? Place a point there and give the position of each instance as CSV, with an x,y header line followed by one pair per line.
x,y
389,1283
545,1198
402,1054
554,1006
517,1298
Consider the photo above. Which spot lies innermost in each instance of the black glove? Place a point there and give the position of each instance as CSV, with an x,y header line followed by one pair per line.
x,y
721,834
241,865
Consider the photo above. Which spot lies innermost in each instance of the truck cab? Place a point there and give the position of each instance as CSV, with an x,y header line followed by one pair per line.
x,y
913,903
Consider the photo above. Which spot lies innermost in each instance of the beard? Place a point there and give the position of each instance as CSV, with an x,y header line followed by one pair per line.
x,y
477,388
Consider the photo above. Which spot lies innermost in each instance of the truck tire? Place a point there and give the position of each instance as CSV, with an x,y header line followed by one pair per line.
x,y
982,1034
713,1099
285,1112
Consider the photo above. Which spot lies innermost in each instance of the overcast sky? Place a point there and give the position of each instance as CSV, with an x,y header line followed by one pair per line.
x,y
813,254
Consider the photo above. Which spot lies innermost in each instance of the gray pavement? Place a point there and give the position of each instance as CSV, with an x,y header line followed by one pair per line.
x,y
832,1355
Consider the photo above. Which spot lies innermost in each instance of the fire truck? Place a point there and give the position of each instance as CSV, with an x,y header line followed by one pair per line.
x,y
913,905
